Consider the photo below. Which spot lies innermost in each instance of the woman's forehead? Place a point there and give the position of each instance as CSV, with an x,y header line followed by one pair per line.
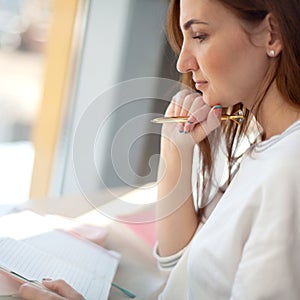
x,y
202,12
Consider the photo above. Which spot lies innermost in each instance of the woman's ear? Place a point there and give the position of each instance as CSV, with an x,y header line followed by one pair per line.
x,y
273,42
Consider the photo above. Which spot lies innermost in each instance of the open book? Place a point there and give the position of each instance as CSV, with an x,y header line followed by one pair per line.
x,y
55,254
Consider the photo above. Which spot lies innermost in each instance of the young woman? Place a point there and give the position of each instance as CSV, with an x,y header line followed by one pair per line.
x,y
239,237
242,242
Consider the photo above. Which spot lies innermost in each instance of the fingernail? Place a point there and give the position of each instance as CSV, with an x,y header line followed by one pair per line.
x,y
217,106
191,120
180,128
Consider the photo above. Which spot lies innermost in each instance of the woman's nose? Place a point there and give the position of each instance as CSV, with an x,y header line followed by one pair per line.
x,y
186,61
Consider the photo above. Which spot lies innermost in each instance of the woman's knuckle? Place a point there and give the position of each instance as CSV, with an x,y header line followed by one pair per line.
x,y
190,97
181,94
175,99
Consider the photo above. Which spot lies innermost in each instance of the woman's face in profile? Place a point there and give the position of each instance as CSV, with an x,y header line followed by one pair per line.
x,y
227,66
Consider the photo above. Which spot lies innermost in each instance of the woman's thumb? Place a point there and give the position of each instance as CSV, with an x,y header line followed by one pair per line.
x,y
60,287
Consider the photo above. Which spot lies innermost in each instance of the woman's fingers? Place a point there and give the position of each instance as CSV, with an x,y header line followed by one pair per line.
x,y
204,128
181,105
54,290
182,102
202,118
31,292
187,103
62,288
197,115
174,107
179,101
185,107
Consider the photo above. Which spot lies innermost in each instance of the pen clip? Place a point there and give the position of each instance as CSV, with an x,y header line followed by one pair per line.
x,y
237,117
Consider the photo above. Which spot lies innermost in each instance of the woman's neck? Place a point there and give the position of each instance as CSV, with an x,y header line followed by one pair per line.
x,y
274,114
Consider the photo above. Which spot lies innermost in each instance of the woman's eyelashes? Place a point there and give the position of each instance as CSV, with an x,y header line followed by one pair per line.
x,y
200,37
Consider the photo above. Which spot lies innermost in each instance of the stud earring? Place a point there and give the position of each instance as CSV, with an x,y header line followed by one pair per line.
x,y
272,53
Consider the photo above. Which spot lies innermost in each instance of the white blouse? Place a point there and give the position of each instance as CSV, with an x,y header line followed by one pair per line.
x,y
249,248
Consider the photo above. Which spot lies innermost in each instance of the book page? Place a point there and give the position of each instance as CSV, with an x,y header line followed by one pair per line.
x,y
44,252
36,265
86,255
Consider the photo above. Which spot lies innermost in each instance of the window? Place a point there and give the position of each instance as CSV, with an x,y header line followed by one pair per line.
x,y
24,27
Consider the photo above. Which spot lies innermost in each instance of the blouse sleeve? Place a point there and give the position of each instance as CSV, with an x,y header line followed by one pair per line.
x,y
270,263
167,263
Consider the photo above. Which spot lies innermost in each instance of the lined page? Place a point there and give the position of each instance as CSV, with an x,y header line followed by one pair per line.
x,y
35,264
86,255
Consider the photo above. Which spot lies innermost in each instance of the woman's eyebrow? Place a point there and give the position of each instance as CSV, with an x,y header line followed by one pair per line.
x,y
189,23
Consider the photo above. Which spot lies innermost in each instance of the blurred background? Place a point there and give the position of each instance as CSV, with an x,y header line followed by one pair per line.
x,y
24,27
56,57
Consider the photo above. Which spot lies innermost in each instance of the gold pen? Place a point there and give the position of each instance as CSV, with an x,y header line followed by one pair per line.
x,y
237,117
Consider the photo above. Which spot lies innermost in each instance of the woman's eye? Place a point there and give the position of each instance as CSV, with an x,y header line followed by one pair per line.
x,y
200,37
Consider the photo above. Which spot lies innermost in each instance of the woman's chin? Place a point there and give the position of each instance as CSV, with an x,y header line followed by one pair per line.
x,y
209,101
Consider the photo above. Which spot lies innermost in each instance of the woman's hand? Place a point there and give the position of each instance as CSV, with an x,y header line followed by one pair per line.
x,y
175,207
202,120
55,290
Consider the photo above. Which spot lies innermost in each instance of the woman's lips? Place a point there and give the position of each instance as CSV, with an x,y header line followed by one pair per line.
x,y
200,84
